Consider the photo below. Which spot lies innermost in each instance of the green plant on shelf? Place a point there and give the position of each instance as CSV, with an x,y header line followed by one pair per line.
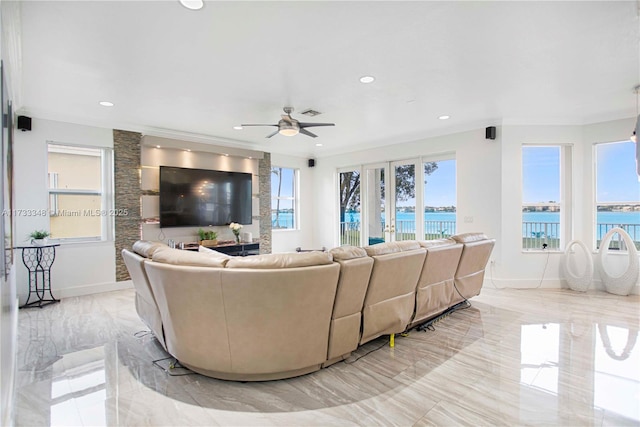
x,y
207,234
39,234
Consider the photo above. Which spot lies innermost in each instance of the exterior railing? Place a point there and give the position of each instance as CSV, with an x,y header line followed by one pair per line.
x,y
439,229
633,230
405,230
350,233
282,223
535,234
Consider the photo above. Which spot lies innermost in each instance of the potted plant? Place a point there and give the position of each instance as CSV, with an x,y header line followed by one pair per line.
x,y
208,237
39,237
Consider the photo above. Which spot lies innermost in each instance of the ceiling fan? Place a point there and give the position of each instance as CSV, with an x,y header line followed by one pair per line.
x,y
289,126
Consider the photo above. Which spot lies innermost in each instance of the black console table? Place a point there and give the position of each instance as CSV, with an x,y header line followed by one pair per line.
x,y
38,260
240,249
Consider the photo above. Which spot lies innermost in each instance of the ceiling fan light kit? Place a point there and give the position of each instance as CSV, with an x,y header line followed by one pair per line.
x,y
289,126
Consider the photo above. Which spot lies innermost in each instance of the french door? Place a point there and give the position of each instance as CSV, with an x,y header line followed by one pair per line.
x,y
392,196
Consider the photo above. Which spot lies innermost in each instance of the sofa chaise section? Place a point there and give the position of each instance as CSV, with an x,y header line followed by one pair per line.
x,y
146,305
473,261
253,318
355,271
390,299
434,293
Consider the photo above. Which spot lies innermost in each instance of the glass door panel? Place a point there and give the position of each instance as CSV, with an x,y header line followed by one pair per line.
x,y
403,222
350,209
376,213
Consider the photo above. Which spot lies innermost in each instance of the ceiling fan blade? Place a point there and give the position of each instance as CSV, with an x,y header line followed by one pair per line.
x,y
258,125
273,134
310,125
306,132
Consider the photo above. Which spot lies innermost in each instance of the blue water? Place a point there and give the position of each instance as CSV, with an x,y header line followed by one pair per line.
x,y
615,218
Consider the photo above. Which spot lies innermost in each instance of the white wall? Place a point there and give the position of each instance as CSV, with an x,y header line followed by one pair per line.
x,y
79,268
289,240
489,186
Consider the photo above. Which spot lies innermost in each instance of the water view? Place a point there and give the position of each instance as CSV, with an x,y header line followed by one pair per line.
x,y
536,226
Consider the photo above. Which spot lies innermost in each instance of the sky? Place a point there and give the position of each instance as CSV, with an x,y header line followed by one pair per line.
x,y
615,171
540,174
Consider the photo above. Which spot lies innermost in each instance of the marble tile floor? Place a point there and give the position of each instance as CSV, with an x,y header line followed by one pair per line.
x,y
515,357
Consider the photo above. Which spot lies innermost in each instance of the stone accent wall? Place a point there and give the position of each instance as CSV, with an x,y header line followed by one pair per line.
x,y
126,159
264,178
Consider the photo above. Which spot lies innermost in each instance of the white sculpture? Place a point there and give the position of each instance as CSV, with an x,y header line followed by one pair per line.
x,y
623,284
577,282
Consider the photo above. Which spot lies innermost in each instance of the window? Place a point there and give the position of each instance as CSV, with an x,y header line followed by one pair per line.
x,y
545,183
284,187
80,205
439,199
617,191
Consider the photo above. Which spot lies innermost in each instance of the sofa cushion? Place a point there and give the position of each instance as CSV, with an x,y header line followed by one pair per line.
x,y
192,258
285,260
346,252
382,249
147,248
408,245
436,242
469,237
213,252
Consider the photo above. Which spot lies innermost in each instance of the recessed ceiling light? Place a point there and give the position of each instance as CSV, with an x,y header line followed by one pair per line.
x,y
238,127
225,154
187,150
157,146
367,79
106,103
444,117
192,4
318,144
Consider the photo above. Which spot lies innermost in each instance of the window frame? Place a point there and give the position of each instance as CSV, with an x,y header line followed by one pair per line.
x,y
106,194
594,225
565,203
295,199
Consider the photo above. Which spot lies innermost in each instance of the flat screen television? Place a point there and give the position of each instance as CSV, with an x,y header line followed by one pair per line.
x,y
201,197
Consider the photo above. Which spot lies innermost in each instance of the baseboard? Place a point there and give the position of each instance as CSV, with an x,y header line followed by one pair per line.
x,y
95,288
494,283
521,283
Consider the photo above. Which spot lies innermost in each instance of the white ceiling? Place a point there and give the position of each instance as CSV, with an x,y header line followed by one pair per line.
x,y
173,71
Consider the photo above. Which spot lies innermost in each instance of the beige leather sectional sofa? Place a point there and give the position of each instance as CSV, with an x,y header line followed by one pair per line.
x,y
282,315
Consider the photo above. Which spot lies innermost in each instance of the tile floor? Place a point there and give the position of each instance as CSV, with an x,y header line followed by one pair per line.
x,y
516,357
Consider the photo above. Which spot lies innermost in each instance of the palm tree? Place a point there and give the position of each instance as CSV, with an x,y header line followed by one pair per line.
x,y
278,173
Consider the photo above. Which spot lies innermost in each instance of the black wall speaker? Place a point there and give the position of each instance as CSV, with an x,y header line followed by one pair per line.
x,y
312,162
24,123
490,132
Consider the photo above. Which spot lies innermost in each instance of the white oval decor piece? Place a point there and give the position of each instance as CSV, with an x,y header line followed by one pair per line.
x,y
577,281
623,284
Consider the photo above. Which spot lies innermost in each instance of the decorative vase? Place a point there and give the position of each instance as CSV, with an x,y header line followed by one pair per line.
x,y
237,237
207,243
39,242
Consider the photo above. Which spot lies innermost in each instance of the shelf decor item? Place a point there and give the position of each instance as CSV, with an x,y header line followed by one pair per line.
x,y
622,283
235,228
208,237
39,237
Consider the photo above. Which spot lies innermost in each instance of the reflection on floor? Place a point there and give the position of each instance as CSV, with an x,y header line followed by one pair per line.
x,y
552,357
